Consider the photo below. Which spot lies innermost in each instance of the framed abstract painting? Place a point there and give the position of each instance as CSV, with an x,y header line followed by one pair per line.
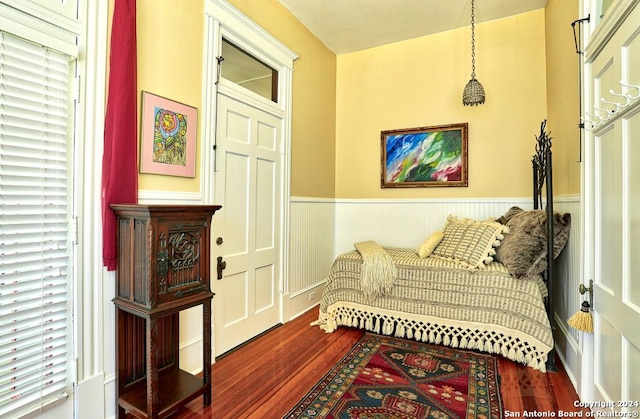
x,y
168,137
425,157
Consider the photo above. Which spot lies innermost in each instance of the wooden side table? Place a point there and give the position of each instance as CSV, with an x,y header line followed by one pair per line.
x,y
163,268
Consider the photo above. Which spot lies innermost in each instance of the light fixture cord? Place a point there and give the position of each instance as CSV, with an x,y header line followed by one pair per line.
x,y
473,40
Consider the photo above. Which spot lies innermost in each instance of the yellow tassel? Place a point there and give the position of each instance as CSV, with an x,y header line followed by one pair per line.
x,y
582,319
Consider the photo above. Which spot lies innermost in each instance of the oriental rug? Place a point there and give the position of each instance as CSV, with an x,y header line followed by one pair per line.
x,y
387,377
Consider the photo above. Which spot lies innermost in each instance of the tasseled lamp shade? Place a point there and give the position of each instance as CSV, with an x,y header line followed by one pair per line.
x,y
473,93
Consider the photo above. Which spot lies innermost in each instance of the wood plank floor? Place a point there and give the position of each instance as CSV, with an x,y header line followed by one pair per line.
x,y
265,378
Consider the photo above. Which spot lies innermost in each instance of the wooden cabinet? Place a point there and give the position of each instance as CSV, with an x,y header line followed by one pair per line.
x,y
163,268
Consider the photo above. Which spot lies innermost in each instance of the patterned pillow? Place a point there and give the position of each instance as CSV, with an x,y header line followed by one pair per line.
x,y
470,242
426,248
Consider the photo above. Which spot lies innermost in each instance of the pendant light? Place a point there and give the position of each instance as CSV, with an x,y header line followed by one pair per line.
x,y
473,91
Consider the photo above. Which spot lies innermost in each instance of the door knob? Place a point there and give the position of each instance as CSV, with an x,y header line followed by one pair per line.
x,y
219,241
221,265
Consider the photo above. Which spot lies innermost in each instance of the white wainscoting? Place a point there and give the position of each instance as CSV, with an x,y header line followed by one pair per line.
x,y
407,222
320,229
312,224
567,299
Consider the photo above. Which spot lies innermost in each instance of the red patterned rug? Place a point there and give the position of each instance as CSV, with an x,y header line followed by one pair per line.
x,y
386,377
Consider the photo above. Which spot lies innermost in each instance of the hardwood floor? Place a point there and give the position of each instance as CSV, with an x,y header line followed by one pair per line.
x,y
268,376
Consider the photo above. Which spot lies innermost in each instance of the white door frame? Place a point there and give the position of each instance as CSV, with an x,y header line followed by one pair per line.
x,y
221,18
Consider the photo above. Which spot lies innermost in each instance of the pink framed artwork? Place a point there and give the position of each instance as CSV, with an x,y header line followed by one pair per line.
x,y
168,137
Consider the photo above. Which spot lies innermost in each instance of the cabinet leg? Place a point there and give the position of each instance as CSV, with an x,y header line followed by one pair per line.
x,y
152,368
121,318
206,352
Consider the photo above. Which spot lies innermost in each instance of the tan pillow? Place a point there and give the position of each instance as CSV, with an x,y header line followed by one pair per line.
x,y
470,242
427,246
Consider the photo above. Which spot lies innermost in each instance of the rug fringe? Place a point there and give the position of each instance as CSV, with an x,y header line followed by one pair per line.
x,y
437,334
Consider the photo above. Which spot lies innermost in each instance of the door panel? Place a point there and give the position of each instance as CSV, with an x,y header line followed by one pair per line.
x,y
247,186
265,221
267,136
265,292
633,155
233,307
606,284
608,371
610,209
633,376
236,207
631,55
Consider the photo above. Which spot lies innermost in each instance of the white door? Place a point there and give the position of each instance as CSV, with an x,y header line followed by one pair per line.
x,y
246,230
615,147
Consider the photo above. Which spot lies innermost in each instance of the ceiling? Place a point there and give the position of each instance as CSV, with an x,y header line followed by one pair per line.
x,y
351,25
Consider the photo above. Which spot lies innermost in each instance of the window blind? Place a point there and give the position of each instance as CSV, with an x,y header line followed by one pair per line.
x,y
35,215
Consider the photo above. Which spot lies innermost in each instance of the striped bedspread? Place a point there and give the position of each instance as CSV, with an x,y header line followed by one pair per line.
x,y
437,301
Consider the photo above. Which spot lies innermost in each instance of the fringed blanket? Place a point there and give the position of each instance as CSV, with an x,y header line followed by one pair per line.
x,y
440,302
378,270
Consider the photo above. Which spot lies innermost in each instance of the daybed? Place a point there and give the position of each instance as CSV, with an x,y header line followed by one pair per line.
x,y
480,285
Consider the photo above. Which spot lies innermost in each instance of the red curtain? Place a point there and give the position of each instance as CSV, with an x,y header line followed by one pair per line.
x,y
119,161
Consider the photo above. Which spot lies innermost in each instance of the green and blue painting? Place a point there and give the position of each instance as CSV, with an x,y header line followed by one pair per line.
x,y
424,157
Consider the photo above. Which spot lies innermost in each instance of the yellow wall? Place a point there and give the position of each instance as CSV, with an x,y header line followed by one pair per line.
x,y
170,64
526,63
419,82
563,97
166,68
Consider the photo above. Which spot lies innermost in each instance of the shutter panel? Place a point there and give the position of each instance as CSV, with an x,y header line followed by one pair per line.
x,y
35,243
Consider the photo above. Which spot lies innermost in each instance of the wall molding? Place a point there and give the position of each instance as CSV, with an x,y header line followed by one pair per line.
x,y
169,197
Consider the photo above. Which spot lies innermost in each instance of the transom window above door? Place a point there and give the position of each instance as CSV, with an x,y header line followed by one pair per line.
x,y
247,71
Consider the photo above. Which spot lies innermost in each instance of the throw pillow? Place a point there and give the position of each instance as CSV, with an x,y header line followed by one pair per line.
x,y
524,249
509,214
470,242
427,246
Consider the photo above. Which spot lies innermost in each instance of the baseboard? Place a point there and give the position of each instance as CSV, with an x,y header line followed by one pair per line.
x,y
89,397
191,355
568,350
304,301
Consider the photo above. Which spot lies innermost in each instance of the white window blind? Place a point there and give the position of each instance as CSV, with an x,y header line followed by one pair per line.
x,y
35,215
